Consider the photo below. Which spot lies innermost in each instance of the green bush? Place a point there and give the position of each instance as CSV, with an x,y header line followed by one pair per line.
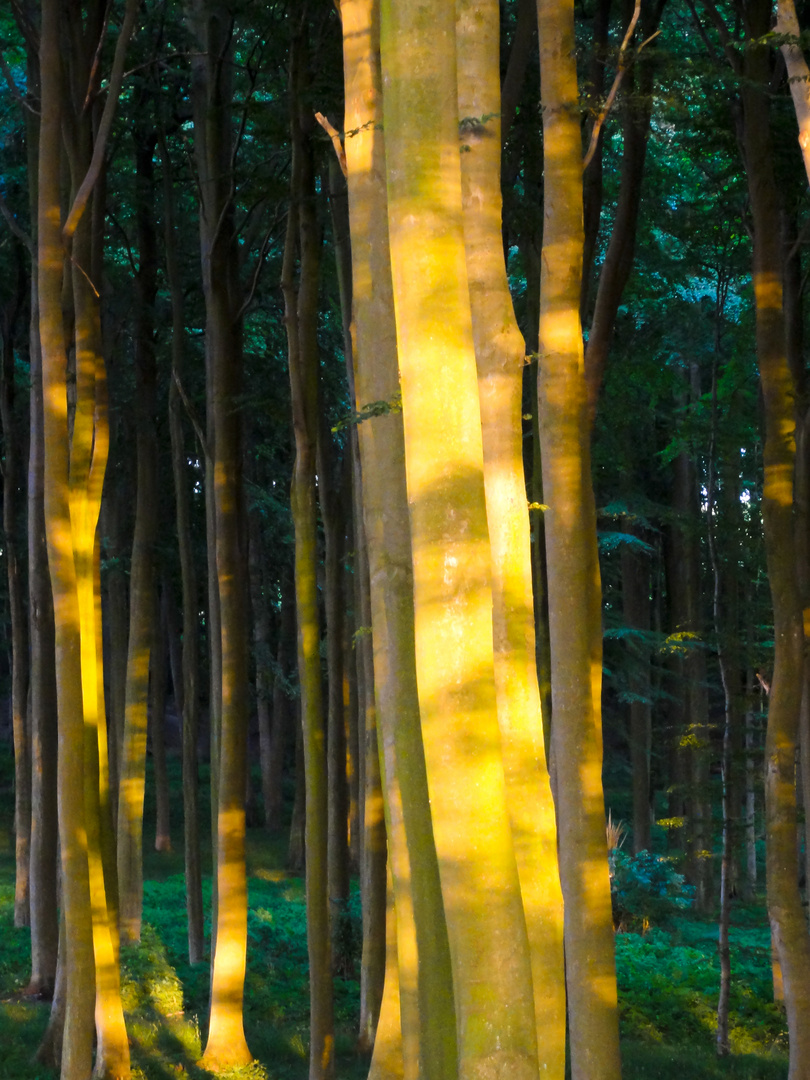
x,y
645,889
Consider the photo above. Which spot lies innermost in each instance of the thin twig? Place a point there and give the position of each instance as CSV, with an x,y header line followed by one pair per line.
x,y
617,81
88,97
257,270
15,227
334,135
191,412
114,89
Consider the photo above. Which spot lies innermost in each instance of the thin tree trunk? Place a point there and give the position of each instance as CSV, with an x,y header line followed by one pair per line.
x,y
191,626
157,719
13,450
142,572
573,570
500,351
636,607
788,922
301,322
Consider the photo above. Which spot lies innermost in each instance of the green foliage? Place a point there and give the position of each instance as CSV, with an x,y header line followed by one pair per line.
x,y
645,889
669,983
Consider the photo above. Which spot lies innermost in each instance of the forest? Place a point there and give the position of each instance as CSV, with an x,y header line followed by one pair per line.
x,y
405,550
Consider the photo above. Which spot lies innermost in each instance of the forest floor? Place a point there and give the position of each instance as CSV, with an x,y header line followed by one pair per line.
x,y
668,985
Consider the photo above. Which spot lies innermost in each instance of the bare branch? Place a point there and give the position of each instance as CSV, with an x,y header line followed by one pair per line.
x,y
113,91
334,135
617,81
15,227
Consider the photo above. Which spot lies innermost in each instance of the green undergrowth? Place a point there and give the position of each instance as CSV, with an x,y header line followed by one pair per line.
x,y
668,986
668,989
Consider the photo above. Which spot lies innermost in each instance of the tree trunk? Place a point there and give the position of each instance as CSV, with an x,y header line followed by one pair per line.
x,y
157,717
76,1057
788,922
444,463
300,306
142,572
188,576
636,605
13,451
427,1012
500,351
573,570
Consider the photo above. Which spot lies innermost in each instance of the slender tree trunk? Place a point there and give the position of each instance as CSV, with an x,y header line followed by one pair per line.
x,y
444,462
13,451
191,626
142,572
301,322
43,703
573,570
157,717
788,922
76,1057
500,352
636,604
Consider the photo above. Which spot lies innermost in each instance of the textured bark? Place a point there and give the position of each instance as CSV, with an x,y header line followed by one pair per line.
x,y
573,570
499,352
444,465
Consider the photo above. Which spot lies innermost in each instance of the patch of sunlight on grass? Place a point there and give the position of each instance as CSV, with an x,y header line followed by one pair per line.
x,y
298,1046
262,915
271,875
149,982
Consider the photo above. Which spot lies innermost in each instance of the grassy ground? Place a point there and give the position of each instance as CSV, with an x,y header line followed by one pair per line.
x,y
668,982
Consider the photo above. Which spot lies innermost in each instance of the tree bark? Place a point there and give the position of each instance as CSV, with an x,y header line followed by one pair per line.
x,y
300,306
142,572
500,352
788,922
573,570
444,464
76,1057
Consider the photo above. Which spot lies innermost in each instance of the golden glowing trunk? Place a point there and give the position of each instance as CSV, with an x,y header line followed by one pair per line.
x,y
500,353
427,1015
450,545
573,573
78,953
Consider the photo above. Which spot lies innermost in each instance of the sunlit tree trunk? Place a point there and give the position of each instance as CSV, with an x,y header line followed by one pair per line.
x,y
226,1045
500,352
444,462
76,1058
573,569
